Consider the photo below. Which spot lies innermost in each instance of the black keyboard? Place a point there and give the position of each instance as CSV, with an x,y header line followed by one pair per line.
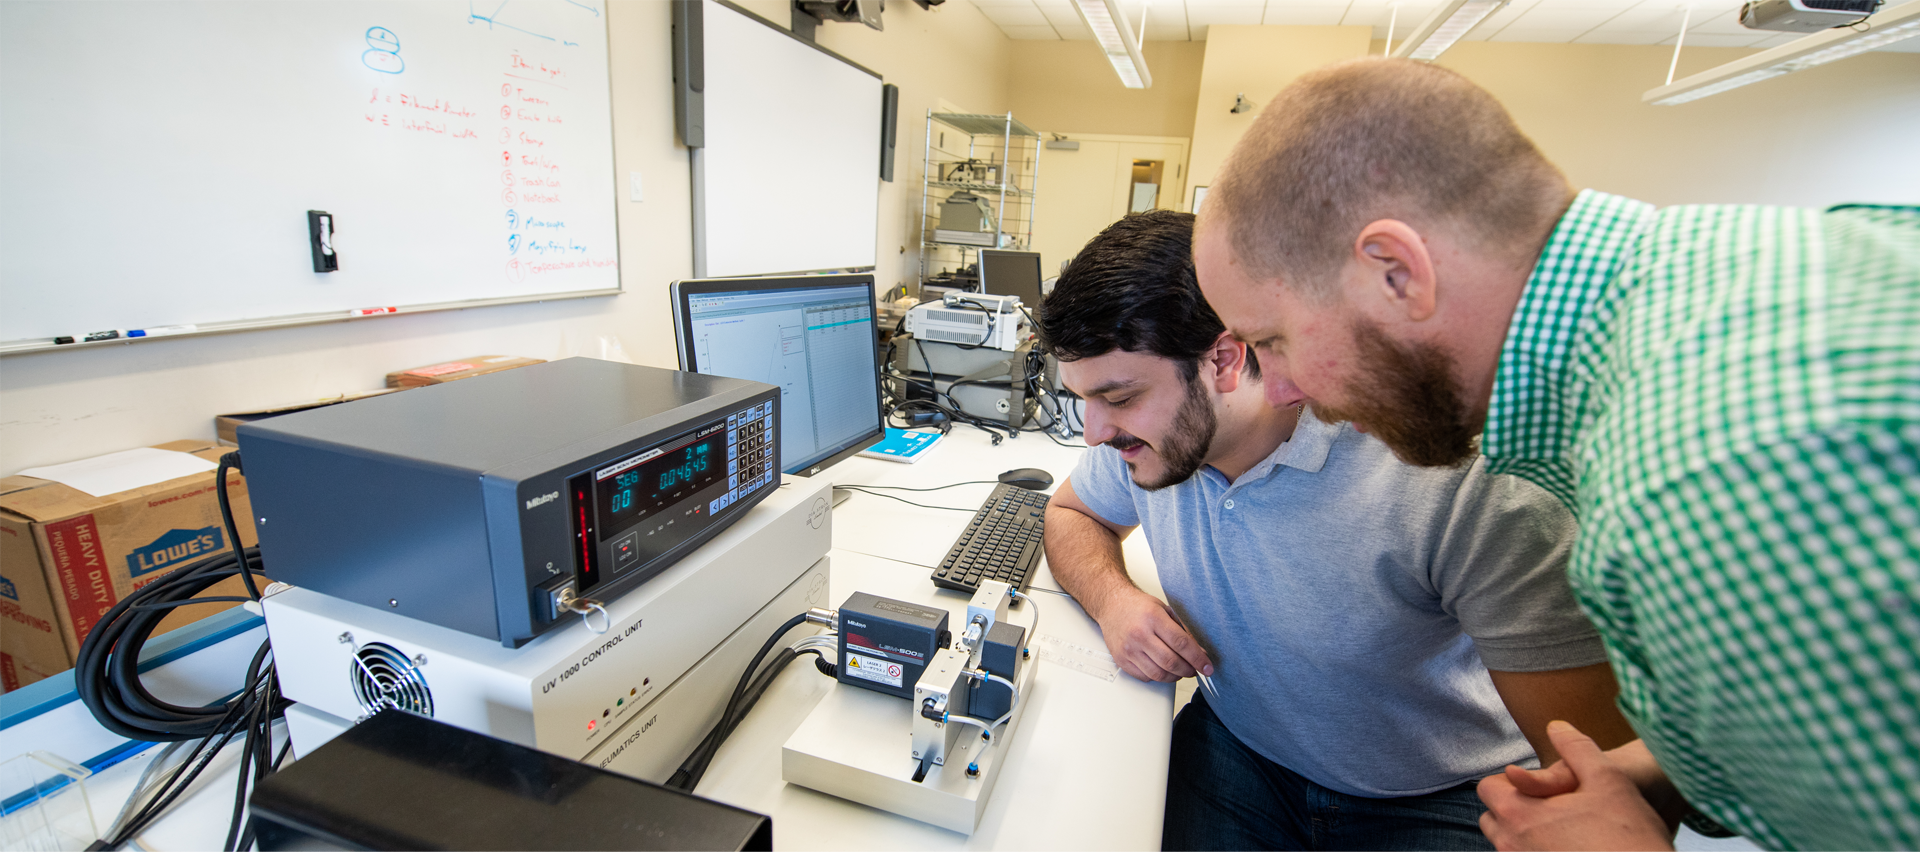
x,y
1001,542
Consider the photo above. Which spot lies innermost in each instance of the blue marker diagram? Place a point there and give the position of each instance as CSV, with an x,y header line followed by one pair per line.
x,y
498,20
383,51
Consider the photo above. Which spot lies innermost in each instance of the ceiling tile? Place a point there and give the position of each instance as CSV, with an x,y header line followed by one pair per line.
x,y
1014,14
1316,16
1622,37
1646,20
1024,33
1167,32
1197,4
1201,15
1061,15
1308,4
1607,5
1714,40
1537,34
1409,15
1728,25
1547,15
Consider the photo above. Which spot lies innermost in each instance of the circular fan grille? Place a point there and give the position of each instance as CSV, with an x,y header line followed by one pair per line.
x,y
383,677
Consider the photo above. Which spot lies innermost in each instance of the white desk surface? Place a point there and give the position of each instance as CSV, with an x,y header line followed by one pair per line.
x,y
1088,767
877,526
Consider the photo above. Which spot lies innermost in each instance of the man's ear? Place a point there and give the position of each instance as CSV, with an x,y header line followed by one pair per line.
x,y
1224,361
1396,269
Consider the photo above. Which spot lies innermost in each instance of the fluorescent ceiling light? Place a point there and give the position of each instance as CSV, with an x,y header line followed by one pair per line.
x,y
1109,27
1901,22
1445,26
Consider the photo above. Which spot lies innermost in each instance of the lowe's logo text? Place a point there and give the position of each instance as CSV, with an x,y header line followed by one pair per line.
x,y
175,548
543,499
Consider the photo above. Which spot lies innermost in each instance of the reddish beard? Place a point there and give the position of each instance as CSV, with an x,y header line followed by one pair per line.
x,y
1408,398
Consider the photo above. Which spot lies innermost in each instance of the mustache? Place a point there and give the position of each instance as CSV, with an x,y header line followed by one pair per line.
x,y
1124,441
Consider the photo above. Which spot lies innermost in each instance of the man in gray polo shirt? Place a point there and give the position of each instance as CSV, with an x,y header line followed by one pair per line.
x,y
1377,635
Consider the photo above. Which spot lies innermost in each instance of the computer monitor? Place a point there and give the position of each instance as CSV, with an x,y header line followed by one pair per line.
x,y
813,336
1011,273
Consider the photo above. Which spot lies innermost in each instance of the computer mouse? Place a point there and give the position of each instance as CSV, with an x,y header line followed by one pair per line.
x,y
1030,478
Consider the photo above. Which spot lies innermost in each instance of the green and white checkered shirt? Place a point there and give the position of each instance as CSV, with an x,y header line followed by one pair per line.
x,y
1728,398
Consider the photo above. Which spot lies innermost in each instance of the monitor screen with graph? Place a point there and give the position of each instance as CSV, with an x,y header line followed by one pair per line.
x,y
813,336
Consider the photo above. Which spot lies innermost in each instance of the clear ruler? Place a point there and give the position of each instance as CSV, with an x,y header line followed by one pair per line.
x,y
1093,662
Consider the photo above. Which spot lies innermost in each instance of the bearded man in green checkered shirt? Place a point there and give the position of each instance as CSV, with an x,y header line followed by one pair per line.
x,y
1728,398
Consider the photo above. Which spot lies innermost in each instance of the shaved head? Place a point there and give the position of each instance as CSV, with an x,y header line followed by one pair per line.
x,y
1374,139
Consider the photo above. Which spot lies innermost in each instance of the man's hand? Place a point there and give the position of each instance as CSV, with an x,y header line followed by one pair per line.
x,y
1148,642
1586,801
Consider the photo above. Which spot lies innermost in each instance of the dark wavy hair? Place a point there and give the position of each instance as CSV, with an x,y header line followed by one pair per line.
x,y
1133,288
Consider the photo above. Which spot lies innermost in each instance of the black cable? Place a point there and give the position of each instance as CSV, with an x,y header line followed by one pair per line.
x,y
683,778
107,678
908,502
194,601
710,747
935,488
231,461
969,304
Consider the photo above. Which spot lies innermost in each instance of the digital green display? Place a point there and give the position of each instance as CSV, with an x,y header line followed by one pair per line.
x,y
644,489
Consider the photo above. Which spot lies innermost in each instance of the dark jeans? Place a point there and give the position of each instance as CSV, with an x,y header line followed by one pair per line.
x,y
1223,795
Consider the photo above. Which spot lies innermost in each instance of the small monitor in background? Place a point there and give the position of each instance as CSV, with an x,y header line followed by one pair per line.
x,y
811,335
1011,273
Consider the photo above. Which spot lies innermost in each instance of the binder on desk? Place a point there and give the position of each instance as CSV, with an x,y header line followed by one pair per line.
x,y
902,446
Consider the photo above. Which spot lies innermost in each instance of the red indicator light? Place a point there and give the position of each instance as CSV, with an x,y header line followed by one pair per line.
x,y
593,723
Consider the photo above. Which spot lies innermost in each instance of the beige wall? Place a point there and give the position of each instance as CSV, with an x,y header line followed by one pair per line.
x,y
1842,132
60,406
1259,61
1068,87
1849,131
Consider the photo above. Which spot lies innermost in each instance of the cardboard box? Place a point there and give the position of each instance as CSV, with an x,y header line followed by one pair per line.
x,y
225,424
81,554
452,371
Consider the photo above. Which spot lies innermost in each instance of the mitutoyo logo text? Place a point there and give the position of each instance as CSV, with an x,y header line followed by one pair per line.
x,y
177,547
543,499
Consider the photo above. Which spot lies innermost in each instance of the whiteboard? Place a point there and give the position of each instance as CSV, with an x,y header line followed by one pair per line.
x,y
162,157
789,179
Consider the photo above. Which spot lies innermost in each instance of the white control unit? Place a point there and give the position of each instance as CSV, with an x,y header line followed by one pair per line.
x,y
970,319
570,691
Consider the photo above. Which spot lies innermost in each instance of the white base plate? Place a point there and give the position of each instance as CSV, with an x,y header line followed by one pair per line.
x,y
858,744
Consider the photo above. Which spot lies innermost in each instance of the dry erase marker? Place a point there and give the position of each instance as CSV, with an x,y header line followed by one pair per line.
x,y
109,334
368,312
162,331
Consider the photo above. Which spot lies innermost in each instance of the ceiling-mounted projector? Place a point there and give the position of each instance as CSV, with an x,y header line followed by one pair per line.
x,y
1804,16
845,11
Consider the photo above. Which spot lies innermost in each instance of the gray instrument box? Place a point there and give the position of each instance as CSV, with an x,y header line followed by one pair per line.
x,y
885,644
484,505
999,654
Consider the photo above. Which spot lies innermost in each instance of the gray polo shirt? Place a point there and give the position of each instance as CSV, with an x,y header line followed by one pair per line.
x,y
1352,604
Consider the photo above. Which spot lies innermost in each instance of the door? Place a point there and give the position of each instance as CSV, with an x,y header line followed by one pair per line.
x,y
1083,191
